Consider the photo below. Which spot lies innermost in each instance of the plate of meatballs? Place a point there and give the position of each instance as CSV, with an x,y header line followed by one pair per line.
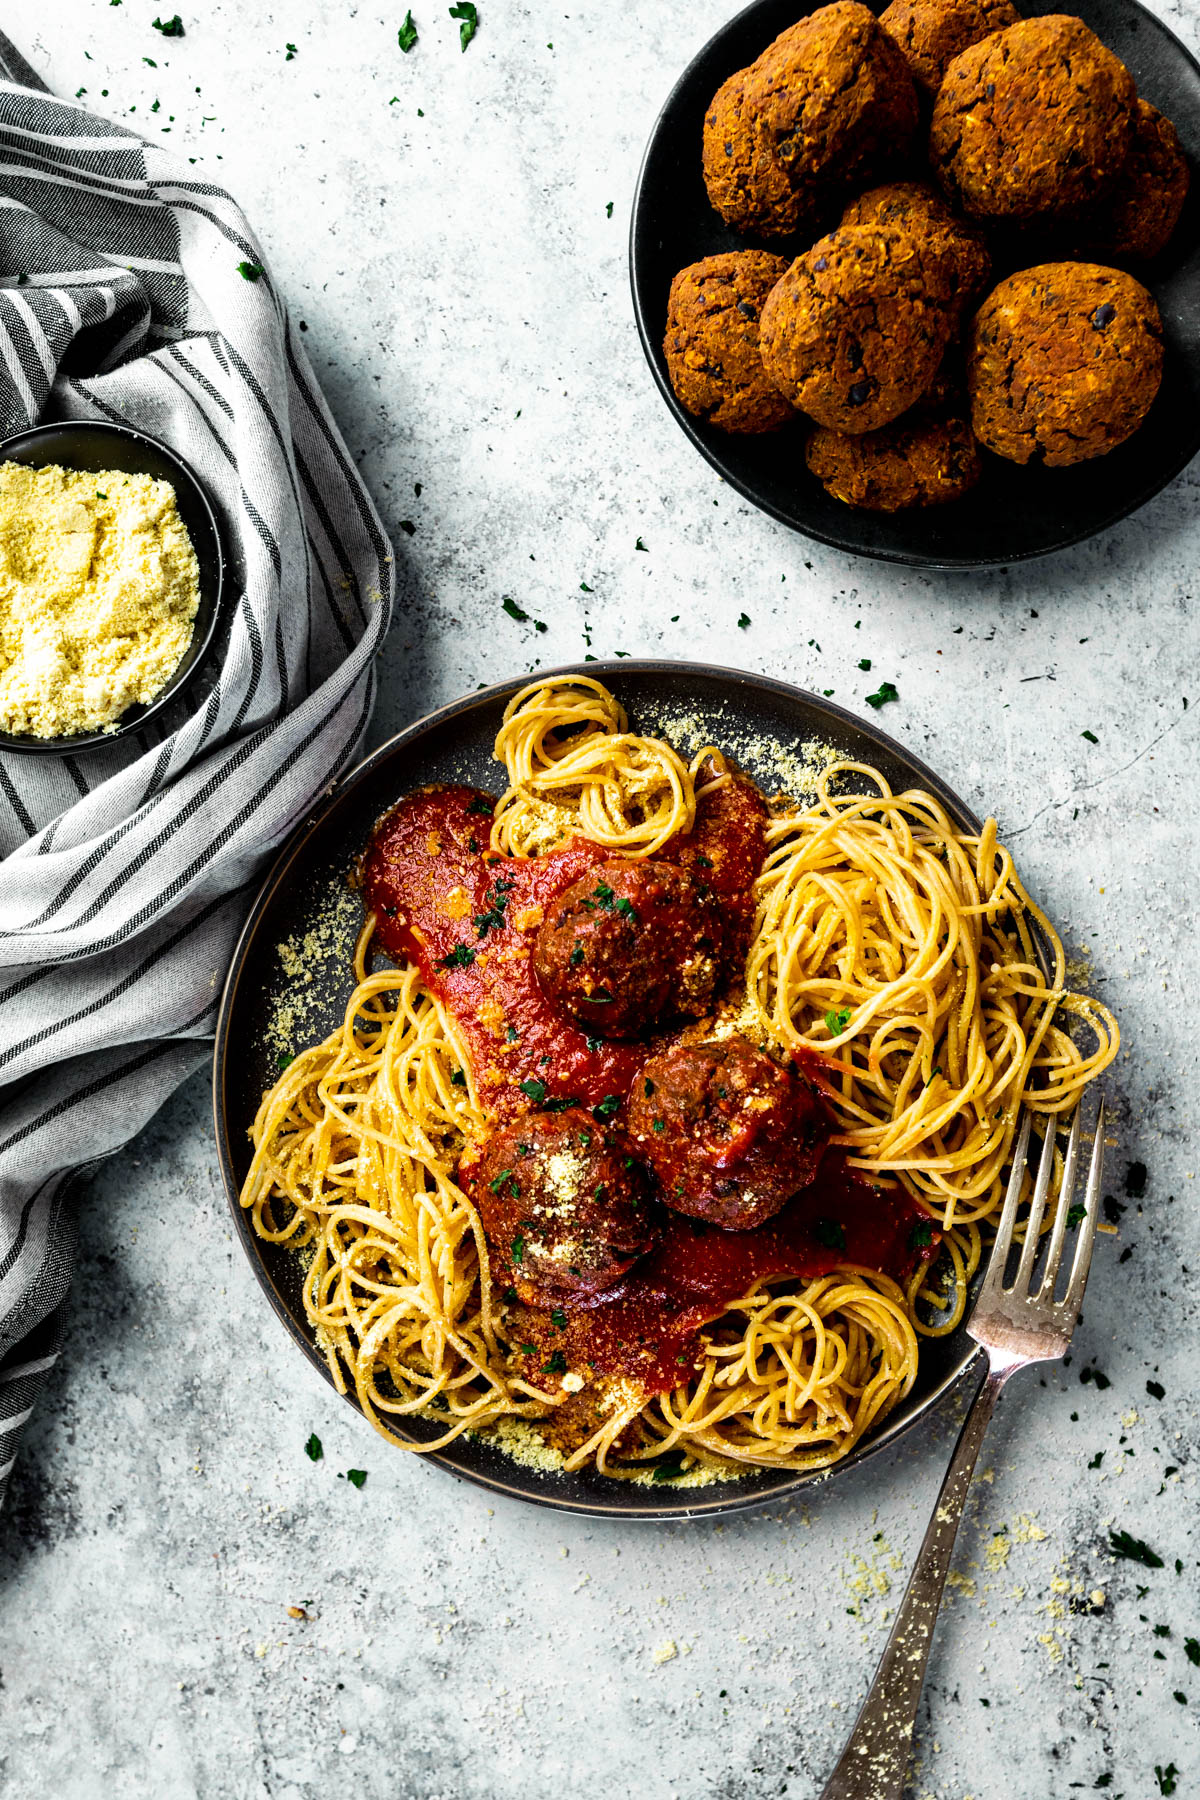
x,y
729,1130
923,281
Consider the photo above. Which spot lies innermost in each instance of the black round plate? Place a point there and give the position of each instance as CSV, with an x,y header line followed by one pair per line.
x,y
1014,513
79,444
738,711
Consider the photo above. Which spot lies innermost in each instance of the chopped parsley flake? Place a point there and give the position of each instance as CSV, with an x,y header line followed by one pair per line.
x,y
1166,1778
170,27
640,546
556,1364
1090,736
250,271
535,1090
921,1234
313,1449
458,1078
518,1249
284,1060
1156,1390
743,621
558,1318
1076,1214
606,1107
886,691
831,1233
1191,1649
660,1125
519,614
406,37
459,958
668,1467
837,1020
608,210
865,663
498,1181
468,17
356,1477
482,803
1123,1543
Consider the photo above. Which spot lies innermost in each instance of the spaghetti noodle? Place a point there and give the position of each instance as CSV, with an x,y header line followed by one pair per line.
x,y
893,950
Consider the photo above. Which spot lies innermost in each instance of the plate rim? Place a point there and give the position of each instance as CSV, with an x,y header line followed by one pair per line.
x,y
649,339
662,1512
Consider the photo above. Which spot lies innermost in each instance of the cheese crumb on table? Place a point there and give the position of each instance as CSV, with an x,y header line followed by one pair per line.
x,y
99,587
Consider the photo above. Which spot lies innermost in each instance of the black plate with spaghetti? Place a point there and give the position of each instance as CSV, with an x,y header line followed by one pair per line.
x,y
1014,513
745,714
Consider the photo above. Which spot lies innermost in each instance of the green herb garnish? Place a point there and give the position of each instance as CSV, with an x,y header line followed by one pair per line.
x,y
356,1477
831,1233
518,1249
886,691
743,621
1076,1214
604,1109
668,1467
406,37
1090,736
556,1364
921,1234
170,27
1133,1549
468,17
459,958
837,1019
250,271
313,1449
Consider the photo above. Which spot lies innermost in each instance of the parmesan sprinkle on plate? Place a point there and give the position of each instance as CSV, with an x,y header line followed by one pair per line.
x,y
99,587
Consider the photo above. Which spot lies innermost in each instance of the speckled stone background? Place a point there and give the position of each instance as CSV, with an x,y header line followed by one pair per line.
x,y
441,222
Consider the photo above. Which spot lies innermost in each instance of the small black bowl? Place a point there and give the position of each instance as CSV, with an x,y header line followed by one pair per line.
x,y
1013,513
82,445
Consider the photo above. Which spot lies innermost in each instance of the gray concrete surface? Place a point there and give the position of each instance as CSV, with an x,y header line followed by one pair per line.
x,y
466,298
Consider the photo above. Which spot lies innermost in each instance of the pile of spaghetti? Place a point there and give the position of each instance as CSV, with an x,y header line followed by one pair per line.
x,y
903,949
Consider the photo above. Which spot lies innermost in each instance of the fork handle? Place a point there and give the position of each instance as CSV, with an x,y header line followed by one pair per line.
x,y
874,1764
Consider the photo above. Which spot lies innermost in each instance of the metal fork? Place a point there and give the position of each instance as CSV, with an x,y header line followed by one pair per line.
x,y
1016,1326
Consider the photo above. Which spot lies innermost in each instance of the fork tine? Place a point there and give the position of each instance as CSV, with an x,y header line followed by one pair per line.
x,y
1037,1206
994,1279
1087,1229
1065,1194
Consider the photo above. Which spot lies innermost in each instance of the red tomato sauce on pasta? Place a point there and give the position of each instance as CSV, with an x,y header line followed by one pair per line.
x,y
467,919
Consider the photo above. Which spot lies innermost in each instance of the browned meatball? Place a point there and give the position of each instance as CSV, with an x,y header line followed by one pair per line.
x,y
711,344
913,206
730,1133
627,944
931,33
855,331
1035,121
921,460
751,191
563,1203
831,101
1143,209
1064,362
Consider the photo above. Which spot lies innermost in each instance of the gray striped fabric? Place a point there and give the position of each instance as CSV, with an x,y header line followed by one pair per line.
x,y
126,872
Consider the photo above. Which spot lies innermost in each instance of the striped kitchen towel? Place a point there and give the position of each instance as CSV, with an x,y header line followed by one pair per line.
x,y
133,289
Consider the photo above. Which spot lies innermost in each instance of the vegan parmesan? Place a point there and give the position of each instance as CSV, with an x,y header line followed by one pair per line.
x,y
99,587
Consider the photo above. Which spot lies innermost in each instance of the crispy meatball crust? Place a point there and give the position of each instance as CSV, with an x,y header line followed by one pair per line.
x,y
711,344
1035,121
919,461
627,944
831,100
1063,363
563,1202
746,185
730,1133
931,33
915,207
1142,211
854,332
